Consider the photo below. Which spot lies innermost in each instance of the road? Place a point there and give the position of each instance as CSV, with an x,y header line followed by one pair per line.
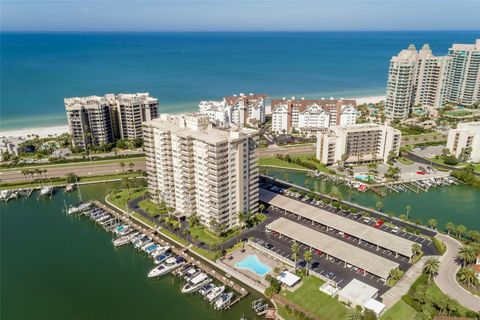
x,y
80,169
446,278
97,168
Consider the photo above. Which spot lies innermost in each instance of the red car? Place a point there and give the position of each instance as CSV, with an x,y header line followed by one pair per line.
x,y
379,223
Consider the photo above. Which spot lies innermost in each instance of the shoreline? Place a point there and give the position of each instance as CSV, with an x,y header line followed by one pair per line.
x,y
45,132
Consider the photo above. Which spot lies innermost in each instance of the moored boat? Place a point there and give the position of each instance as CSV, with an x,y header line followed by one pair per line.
x,y
196,282
79,208
215,293
223,300
169,265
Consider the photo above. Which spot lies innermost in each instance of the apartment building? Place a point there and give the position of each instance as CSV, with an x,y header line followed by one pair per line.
x,y
418,78
466,137
197,168
96,120
236,110
365,142
463,85
290,115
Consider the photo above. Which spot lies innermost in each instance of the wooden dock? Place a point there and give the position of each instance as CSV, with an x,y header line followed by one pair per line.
x,y
180,251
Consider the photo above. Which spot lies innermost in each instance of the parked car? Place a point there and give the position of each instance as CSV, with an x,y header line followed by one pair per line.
x,y
378,224
330,275
269,246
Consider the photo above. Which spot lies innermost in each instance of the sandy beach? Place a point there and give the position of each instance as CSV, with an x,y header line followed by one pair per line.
x,y
362,100
42,132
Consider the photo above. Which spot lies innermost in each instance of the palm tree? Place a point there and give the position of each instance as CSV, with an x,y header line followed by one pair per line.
x,y
449,226
122,166
261,207
25,172
461,229
431,267
432,223
126,184
407,209
379,205
355,314
468,277
350,192
243,218
416,249
131,165
294,249
307,256
467,255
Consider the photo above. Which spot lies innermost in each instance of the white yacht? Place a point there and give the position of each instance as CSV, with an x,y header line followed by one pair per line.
x,y
223,300
124,240
196,282
217,291
190,273
205,289
80,208
46,191
159,251
169,265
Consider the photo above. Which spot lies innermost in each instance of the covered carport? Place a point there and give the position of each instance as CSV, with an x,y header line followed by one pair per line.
x,y
358,230
346,252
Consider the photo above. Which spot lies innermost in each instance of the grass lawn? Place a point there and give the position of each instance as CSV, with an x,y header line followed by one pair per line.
x,y
143,219
435,292
120,198
62,181
404,160
274,162
209,238
309,297
400,310
151,208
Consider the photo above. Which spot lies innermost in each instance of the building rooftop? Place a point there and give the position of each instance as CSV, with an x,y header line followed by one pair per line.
x,y
353,228
302,104
197,126
358,292
344,251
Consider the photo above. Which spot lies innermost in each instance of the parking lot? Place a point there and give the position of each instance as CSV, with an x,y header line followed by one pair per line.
x,y
333,268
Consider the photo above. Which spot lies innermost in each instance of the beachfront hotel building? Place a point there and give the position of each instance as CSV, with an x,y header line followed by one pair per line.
x,y
465,138
420,79
362,143
194,167
303,115
96,120
237,110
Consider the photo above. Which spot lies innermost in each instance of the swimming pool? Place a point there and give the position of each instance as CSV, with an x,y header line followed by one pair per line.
x,y
364,177
253,264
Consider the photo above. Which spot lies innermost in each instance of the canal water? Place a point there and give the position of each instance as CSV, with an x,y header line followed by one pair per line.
x,y
55,266
459,204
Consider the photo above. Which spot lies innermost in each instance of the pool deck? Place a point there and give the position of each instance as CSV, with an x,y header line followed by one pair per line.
x,y
238,256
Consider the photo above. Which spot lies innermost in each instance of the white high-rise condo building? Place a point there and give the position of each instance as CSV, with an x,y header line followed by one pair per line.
x,y
236,110
465,140
309,115
418,78
95,120
364,142
196,168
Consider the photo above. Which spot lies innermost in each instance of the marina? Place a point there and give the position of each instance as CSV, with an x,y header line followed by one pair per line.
x,y
87,259
167,258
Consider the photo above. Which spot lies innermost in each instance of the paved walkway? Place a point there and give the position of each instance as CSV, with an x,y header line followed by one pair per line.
x,y
394,294
446,279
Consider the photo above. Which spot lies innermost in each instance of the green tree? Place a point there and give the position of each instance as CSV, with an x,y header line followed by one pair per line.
x,y
379,205
355,314
468,277
307,256
416,249
432,265
122,166
71,178
450,227
294,249
193,220
261,207
467,254
432,223
131,165
461,229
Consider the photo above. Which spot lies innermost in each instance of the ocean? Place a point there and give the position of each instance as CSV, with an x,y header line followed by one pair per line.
x,y
39,69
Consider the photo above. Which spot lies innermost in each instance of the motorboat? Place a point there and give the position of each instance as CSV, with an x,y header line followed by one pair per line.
x,y
196,282
159,251
69,187
215,293
122,230
159,259
190,273
151,248
169,265
223,300
140,242
46,191
205,289
124,239
79,208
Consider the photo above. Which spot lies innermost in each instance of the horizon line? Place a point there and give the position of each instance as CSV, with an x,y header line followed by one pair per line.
x,y
233,31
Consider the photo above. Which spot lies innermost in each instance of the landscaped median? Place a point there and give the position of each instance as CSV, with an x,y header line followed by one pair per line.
x,y
24,184
296,162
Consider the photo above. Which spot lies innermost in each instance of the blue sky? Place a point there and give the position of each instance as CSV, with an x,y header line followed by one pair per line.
x,y
231,15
